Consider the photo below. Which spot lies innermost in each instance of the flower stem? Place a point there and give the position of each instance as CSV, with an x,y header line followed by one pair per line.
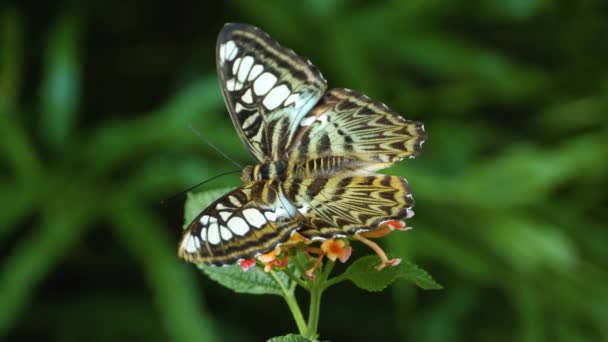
x,y
316,291
292,303
295,279
315,305
335,280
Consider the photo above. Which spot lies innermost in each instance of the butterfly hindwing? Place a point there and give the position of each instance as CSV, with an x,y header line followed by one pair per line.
x,y
267,88
343,206
248,221
346,123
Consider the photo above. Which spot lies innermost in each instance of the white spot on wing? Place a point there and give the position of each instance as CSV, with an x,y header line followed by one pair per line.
x,y
224,215
263,83
238,107
190,246
250,120
231,50
235,66
254,217
204,220
281,212
222,52
255,71
322,119
203,234
225,233
294,98
270,216
276,96
238,226
247,98
303,209
235,201
307,121
213,234
246,64
409,213
233,85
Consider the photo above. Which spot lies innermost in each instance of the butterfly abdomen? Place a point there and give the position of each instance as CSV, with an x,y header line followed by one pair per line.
x,y
327,166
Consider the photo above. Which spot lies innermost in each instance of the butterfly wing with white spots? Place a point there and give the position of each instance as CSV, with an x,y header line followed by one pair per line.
x,y
248,221
267,88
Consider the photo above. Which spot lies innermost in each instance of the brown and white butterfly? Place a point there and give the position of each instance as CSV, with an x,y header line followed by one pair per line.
x,y
318,151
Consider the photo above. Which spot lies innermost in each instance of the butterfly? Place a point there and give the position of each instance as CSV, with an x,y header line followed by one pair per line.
x,y
317,150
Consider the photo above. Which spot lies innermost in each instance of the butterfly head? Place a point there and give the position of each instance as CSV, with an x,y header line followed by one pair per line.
x,y
270,170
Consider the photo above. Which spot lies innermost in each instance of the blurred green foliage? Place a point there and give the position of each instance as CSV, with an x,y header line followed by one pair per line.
x,y
95,101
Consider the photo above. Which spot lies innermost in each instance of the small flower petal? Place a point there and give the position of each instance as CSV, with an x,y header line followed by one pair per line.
x,y
247,264
268,257
332,248
394,224
345,254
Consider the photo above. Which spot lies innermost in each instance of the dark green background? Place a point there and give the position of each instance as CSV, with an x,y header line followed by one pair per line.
x,y
95,101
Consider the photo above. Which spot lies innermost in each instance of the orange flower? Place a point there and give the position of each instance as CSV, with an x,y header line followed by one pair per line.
x,y
336,249
271,260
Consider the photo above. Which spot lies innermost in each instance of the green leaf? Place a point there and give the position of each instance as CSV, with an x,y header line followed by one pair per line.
x,y
254,281
289,338
364,274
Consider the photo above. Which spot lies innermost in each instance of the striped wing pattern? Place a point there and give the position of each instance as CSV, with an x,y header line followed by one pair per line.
x,y
267,88
343,206
240,225
347,123
318,152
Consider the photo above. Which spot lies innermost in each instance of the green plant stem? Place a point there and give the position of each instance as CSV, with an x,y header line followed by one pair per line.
x,y
292,303
327,270
296,279
298,264
335,280
313,315
316,291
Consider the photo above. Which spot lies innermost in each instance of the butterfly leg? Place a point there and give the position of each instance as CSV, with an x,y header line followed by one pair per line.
x,y
374,246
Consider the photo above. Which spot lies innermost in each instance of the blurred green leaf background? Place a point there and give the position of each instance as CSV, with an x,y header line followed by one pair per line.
x,y
511,187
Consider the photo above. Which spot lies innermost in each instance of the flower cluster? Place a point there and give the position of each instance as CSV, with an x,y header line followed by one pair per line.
x,y
333,249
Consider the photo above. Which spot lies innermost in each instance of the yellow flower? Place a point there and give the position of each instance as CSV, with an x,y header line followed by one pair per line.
x,y
336,249
271,260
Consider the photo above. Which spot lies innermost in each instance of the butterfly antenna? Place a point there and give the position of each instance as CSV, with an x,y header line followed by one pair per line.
x,y
213,146
181,193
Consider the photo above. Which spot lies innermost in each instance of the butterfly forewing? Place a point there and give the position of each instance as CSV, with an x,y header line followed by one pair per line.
x,y
347,123
267,88
248,221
